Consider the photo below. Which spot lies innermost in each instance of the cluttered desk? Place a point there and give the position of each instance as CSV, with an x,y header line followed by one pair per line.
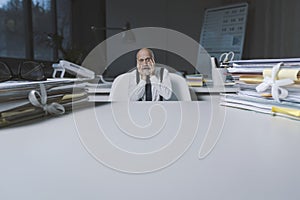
x,y
207,148
218,155
62,139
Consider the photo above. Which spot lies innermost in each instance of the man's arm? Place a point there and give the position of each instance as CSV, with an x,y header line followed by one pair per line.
x,y
163,88
136,91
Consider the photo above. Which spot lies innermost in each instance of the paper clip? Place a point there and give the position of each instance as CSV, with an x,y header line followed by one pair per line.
x,y
225,58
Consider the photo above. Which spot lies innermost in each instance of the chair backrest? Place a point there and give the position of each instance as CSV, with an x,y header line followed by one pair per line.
x,y
119,89
180,88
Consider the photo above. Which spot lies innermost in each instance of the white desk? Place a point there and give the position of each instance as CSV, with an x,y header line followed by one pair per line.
x,y
103,92
256,157
216,89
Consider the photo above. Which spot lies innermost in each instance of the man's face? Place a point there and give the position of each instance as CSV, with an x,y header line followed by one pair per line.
x,y
144,60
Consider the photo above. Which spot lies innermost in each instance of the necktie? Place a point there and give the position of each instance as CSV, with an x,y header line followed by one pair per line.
x,y
148,89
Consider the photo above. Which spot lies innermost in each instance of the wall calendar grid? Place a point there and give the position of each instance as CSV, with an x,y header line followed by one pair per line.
x,y
224,30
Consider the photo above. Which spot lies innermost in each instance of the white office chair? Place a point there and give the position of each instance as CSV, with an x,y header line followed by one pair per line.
x,y
180,88
119,90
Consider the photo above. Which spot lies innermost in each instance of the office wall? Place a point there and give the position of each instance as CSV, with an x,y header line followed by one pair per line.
x,y
183,16
84,15
272,28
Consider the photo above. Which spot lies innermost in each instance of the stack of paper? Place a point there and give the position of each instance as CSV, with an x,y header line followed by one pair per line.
x,y
267,86
194,80
251,71
23,101
251,101
98,92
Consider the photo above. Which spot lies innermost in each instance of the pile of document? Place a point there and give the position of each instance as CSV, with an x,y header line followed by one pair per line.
x,y
21,101
194,80
269,86
98,92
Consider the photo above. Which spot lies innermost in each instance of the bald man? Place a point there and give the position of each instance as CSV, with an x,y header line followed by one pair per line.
x,y
149,83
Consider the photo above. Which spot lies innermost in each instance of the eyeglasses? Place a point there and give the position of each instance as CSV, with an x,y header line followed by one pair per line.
x,y
28,70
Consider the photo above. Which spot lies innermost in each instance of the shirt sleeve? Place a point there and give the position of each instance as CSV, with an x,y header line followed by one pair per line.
x,y
136,91
163,88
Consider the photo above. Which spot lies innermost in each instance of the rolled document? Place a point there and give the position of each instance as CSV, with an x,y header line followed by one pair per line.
x,y
293,74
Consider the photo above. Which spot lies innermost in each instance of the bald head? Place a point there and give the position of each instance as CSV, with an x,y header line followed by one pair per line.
x,y
145,52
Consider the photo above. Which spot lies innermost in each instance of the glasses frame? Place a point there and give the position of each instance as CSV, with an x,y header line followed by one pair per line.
x,y
19,76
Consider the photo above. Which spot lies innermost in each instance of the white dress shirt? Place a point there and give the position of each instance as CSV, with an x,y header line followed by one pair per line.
x,y
159,88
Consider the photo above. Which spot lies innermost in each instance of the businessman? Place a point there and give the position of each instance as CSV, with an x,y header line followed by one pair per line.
x,y
147,82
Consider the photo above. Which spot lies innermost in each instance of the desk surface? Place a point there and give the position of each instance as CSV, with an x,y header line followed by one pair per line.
x,y
205,89
101,93
256,156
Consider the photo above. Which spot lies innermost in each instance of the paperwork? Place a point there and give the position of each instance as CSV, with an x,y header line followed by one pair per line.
x,y
267,85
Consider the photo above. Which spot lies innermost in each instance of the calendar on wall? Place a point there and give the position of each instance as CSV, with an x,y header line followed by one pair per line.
x,y
224,30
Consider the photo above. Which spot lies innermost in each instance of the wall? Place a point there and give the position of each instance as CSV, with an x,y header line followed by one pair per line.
x,y
272,28
84,15
183,16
